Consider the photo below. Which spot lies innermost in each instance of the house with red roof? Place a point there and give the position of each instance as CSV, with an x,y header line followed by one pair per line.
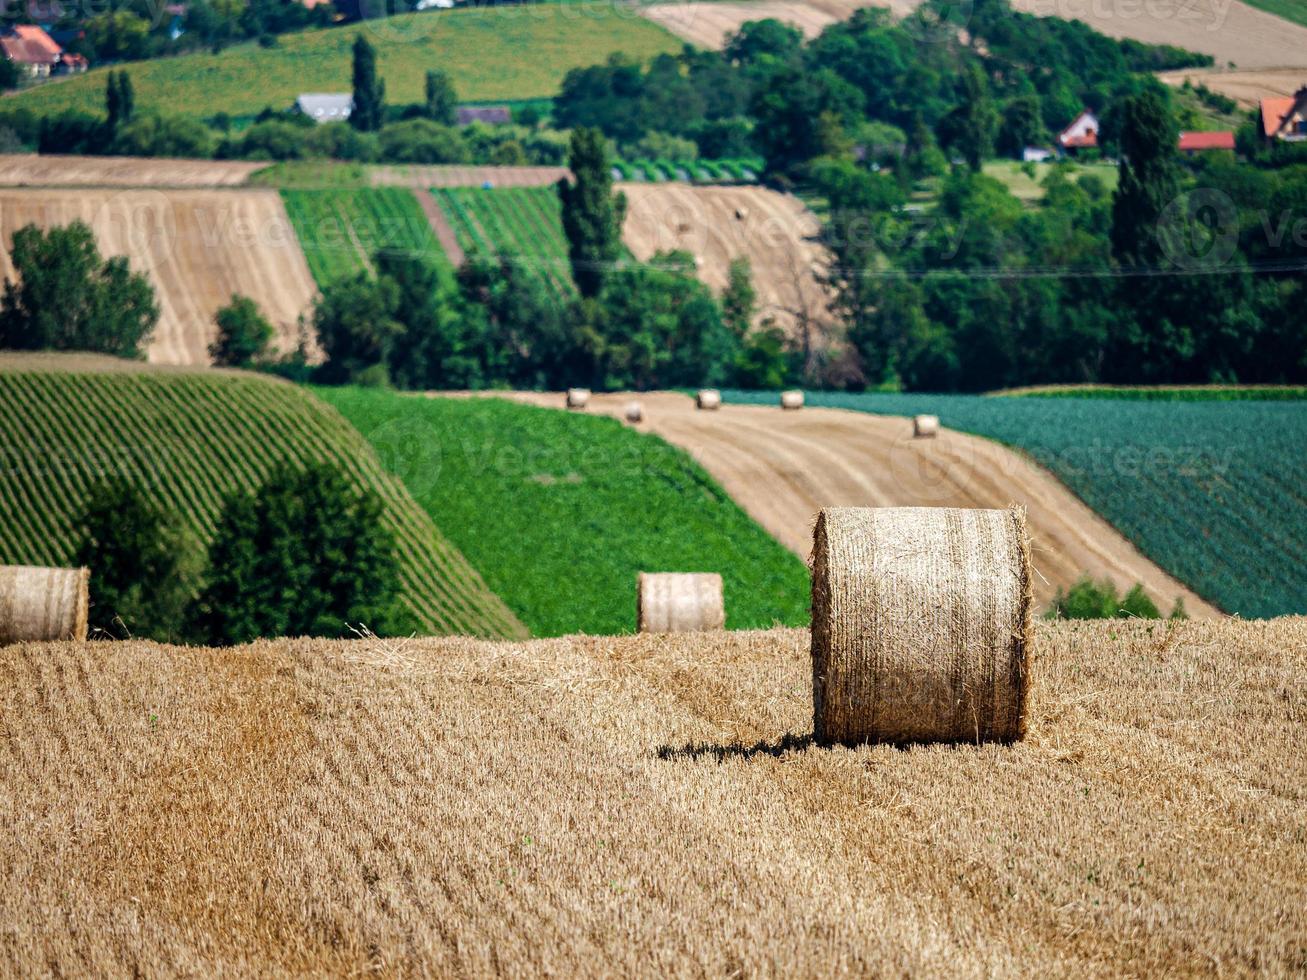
x,y
1285,118
31,48
1198,142
1082,134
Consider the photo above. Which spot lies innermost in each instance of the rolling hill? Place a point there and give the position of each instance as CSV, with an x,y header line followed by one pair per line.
x,y
191,438
497,52
643,805
198,247
782,467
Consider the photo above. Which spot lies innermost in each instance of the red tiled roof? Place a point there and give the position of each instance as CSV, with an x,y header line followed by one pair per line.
x,y
1079,142
29,45
1207,141
1273,113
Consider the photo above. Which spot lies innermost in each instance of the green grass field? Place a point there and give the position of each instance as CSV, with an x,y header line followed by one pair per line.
x,y
1163,393
1293,10
492,53
341,230
1214,492
190,438
558,512
523,223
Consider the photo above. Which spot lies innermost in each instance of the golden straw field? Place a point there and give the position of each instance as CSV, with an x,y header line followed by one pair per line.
x,y
646,805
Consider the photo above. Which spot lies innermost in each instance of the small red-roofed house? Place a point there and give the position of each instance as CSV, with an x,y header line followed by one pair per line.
x,y
1197,142
1082,134
1285,118
31,48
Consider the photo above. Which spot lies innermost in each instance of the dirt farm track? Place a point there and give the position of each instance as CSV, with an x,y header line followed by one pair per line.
x,y
646,806
782,467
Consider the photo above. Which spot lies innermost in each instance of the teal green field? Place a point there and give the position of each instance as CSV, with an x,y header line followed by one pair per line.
x,y
559,512
1214,492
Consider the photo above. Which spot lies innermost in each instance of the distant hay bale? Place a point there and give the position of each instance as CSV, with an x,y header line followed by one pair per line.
x,y
925,426
741,213
43,603
791,400
709,399
679,602
578,397
920,625
634,412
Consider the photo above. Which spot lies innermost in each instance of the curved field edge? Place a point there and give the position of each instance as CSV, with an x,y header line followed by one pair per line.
x,y
191,438
1162,393
1215,493
559,512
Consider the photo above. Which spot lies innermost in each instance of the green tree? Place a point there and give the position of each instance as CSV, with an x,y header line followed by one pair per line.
x,y
970,128
308,555
1022,126
1149,179
369,109
441,100
119,100
68,298
243,334
592,213
739,301
140,562
356,326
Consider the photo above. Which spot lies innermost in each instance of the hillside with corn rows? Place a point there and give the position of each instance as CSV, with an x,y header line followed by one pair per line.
x,y
190,439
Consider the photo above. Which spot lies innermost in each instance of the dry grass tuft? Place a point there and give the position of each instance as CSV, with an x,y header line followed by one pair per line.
x,y
644,805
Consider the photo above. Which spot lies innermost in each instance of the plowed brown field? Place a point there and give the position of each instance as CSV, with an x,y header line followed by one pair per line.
x,y
1245,87
782,467
198,247
707,24
645,806
30,170
718,224
454,176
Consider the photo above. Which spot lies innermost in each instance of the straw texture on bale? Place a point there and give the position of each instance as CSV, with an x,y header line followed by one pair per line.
x,y
708,398
791,399
921,625
578,397
925,426
43,603
679,602
634,412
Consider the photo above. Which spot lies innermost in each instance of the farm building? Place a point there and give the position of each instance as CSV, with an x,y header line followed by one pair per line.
x,y
1197,142
1285,118
32,49
494,115
325,107
1082,134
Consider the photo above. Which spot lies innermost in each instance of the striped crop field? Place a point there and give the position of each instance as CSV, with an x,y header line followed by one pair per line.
x,y
340,230
190,439
1212,491
523,224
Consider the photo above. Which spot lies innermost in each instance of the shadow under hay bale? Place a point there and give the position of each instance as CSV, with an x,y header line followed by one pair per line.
x,y
921,625
709,399
43,603
679,602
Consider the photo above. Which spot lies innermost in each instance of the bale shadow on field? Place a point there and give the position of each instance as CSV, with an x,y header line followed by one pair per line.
x,y
737,750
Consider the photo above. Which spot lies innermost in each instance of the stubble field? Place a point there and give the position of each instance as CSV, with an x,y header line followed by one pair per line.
x,y
646,805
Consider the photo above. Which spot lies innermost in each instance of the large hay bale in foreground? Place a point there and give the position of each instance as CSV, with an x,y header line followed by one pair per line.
x,y
578,397
709,399
920,624
925,426
678,602
791,400
43,603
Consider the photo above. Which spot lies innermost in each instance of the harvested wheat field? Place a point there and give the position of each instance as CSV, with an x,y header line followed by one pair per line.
x,y
718,224
783,467
1247,88
30,170
440,175
198,248
647,805
1227,30
707,24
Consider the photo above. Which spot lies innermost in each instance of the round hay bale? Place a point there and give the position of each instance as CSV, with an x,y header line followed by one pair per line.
x,y
679,602
578,397
43,603
925,427
920,625
709,399
791,400
634,412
